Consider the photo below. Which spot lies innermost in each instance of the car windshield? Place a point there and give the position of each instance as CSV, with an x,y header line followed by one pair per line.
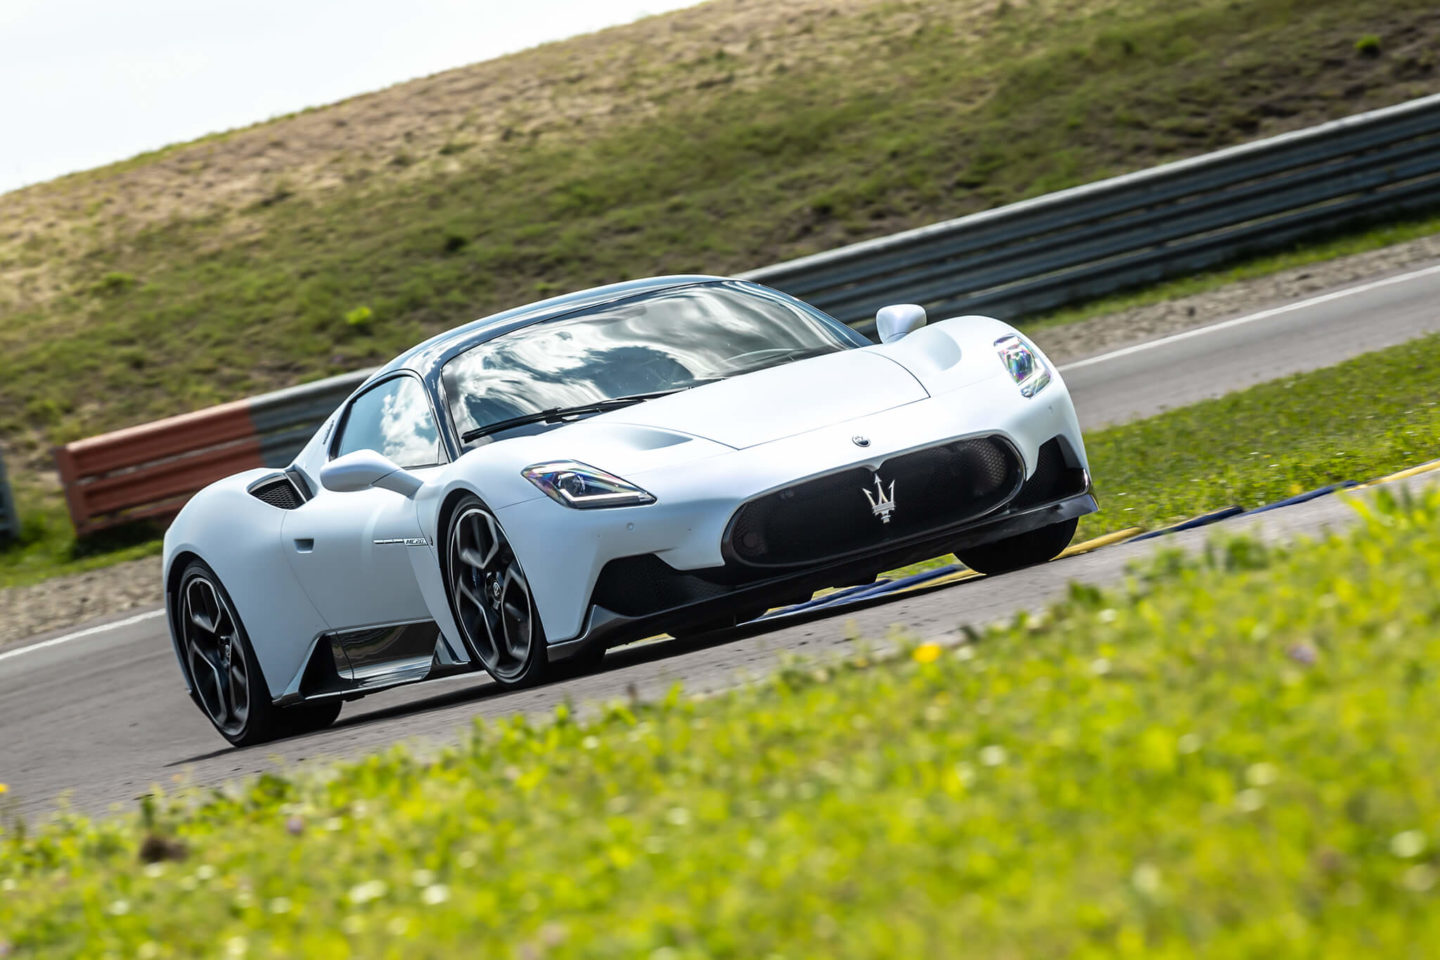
x,y
634,348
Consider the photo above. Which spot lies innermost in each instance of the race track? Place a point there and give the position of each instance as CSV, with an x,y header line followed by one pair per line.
x,y
99,712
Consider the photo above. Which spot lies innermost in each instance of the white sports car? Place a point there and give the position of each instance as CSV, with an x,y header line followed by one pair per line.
x,y
671,455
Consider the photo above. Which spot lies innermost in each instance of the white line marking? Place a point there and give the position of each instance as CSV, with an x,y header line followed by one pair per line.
x,y
88,632
1262,315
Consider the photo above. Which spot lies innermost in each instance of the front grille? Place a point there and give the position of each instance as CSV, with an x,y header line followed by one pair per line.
x,y
842,513
279,492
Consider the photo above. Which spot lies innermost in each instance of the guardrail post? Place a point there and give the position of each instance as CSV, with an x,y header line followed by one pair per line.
x,y
9,521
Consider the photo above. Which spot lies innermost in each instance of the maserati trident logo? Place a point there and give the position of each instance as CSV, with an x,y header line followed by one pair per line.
x,y
882,502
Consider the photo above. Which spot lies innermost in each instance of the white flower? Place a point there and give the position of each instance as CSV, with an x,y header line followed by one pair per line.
x,y
992,756
1260,774
1407,845
280,905
435,894
1146,879
1249,800
118,908
422,878
367,891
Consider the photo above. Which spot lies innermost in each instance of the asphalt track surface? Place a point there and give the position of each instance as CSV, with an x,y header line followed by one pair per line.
x,y
98,713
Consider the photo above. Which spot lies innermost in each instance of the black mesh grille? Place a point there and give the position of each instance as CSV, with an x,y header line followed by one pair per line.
x,y
635,586
1052,479
844,512
279,492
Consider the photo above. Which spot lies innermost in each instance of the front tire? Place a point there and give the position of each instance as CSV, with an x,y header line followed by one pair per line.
x,y
1022,550
224,673
491,598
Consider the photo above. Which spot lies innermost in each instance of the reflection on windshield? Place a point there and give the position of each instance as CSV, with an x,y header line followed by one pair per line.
x,y
665,342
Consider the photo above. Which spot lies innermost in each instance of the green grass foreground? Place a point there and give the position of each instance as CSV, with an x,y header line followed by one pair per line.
x,y
1234,757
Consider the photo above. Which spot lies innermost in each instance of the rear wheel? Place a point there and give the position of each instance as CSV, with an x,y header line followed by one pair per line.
x,y
1023,550
224,673
491,598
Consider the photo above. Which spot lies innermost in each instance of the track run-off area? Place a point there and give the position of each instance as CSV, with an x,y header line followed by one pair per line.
x,y
98,713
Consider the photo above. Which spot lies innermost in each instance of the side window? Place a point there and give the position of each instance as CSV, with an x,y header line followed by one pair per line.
x,y
393,418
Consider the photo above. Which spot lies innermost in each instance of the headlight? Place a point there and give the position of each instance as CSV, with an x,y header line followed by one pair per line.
x,y
581,486
1029,371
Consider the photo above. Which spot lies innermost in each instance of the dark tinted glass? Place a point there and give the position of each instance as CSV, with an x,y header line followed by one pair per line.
x,y
393,418
664,342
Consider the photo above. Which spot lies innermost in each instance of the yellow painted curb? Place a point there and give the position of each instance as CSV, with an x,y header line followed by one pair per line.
x,y
1109,539
1403,474
958,576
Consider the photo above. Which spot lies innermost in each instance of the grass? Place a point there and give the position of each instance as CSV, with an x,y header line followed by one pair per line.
x,y
1235,756
906,114
1372,415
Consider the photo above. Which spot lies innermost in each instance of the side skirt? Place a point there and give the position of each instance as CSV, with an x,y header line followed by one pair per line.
x,y
352,663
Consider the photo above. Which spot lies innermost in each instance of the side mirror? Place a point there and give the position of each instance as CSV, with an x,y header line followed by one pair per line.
x,y
364,469
897,320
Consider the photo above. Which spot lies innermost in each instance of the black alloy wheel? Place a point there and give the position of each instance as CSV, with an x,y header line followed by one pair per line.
x,y
491,598
225,677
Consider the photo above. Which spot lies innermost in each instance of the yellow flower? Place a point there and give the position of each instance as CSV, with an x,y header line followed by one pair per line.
x,y
927,653
4,787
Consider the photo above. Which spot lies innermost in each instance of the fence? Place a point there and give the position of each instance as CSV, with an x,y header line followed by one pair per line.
x,y
1030,256
149,471
9,520
1139,228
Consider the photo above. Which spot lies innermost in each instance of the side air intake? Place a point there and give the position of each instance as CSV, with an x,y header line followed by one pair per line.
x,y
278,491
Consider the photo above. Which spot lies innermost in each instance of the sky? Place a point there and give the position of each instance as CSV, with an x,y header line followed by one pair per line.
x,y
88,82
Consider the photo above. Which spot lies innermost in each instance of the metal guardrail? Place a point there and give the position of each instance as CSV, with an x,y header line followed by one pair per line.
x,y
1139,228
9,519
1023,258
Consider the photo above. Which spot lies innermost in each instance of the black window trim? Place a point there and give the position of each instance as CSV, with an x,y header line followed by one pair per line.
x,y
341,422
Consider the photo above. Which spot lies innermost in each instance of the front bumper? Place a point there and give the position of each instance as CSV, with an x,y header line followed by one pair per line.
x,y
704,599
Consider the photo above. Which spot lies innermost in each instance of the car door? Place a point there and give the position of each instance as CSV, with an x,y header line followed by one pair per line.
x,y
351,551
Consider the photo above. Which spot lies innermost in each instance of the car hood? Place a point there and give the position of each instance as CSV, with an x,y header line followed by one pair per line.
x,y
781,401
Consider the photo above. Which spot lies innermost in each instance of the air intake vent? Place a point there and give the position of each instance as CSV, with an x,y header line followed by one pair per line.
x,y
278,491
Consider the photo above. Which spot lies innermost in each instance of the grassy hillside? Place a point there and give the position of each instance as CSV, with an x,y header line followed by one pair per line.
x,y
718,138
1236,758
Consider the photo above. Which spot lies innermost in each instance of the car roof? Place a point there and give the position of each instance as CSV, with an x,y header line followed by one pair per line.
x,y
426,358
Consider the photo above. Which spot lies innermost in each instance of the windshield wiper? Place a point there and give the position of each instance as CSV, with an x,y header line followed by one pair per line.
x,y
561,414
